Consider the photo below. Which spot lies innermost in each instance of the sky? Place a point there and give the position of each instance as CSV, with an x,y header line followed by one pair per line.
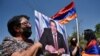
x,y
88,13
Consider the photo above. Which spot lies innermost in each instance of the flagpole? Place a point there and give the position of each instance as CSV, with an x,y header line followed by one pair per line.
x,y
66,38
77,26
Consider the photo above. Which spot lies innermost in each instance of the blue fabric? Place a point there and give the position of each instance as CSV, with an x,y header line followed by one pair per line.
x,y
95,49
66,14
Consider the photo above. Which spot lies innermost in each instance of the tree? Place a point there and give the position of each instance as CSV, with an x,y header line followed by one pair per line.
x,y
97,30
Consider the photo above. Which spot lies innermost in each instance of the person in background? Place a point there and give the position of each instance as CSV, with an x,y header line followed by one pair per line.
x,y
52,40
92,48
99,42
74,47
19,44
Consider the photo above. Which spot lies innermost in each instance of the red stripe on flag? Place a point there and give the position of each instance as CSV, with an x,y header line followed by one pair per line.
x,y
64,10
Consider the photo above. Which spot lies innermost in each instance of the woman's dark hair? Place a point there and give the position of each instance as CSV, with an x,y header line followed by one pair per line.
x,y
73,41
89,35
15,22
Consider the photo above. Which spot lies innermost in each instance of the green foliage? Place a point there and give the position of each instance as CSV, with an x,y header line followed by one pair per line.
x,y
97,30
97,35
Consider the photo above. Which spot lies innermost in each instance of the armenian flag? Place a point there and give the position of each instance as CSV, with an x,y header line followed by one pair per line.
x,y
66,14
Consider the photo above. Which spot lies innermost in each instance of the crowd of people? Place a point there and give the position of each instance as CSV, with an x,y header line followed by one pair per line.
x,y
51,42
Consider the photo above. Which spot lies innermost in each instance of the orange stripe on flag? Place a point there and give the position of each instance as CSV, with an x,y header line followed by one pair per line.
x,y
67,19
72,17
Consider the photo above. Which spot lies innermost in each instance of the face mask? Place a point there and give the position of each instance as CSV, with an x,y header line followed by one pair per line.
x,y
73,42
27,32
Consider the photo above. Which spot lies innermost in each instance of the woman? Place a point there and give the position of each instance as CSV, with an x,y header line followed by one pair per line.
x,y
92,48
